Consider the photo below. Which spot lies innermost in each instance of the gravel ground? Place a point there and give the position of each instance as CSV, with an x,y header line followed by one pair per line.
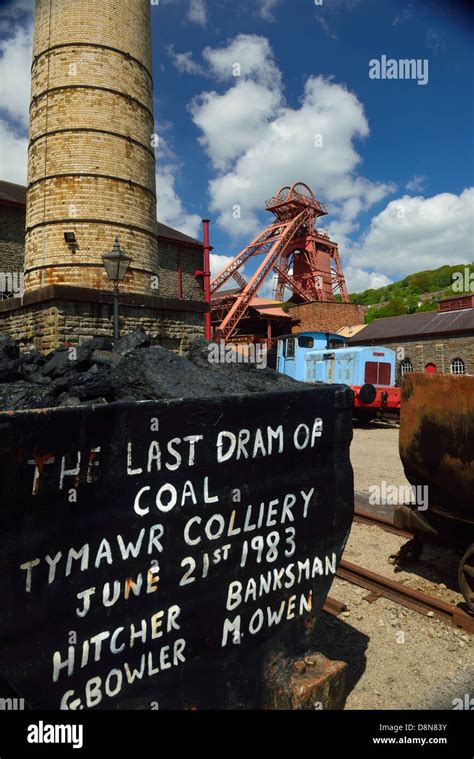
x,y
398,659
374,456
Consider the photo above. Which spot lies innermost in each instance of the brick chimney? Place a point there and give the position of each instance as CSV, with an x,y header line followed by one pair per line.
x,y
91,167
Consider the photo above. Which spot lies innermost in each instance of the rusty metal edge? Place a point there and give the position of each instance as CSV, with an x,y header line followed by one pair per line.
x,y
333,606
366,517
415,600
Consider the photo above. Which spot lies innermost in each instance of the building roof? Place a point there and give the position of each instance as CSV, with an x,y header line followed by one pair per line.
x,y
269,308
14,194
351,330
416,325
169,233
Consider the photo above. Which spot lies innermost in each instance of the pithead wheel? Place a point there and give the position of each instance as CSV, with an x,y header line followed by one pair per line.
x,y
466,577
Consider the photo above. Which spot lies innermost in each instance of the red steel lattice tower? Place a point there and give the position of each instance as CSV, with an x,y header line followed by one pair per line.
x,y
304,260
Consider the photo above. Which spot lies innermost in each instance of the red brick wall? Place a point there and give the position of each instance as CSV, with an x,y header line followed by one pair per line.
x,y
326,317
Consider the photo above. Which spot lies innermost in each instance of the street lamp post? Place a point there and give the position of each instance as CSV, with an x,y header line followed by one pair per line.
x,y
116,264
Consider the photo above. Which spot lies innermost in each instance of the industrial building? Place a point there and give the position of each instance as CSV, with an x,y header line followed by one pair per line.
x,y
440,341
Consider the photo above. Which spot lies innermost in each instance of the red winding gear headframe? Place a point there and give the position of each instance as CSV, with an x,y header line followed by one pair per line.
x,y
304,260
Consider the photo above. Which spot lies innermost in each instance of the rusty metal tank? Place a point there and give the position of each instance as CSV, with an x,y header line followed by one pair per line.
x,y
437,450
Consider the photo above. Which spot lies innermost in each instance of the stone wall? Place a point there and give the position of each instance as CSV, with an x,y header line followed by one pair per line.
x,y
326,317
12,238
72,315
440,352
187,258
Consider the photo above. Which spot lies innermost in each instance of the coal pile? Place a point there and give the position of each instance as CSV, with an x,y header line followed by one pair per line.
x,y
99,372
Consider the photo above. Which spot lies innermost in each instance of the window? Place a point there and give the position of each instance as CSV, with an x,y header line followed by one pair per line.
x,y
290,348
457,366
305,342
377,373
406,366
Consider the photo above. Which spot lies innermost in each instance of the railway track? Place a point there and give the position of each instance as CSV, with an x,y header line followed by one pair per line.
x,y
366,517
381,586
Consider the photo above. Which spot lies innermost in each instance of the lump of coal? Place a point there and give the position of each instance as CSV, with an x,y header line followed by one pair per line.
x,y
105,358
156,373
132,371
93,384
127,343
8,347
23,395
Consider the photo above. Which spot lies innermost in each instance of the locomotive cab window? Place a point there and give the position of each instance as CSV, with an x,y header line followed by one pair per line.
x,y
305,342
290,348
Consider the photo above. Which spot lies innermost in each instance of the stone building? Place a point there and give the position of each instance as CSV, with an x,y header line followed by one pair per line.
x,y
439,341
319,316
12,237
91,178
174,315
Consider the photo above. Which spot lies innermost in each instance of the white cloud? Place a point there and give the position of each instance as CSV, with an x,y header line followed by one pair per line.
x,y
184,62
218,263
235,121
197,12
252,53
15,63
358,279
266,9
15,79
416,184
170,207
416,233
13,156
16,8
257,143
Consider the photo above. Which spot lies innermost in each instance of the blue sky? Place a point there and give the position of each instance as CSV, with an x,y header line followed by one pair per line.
x,y
393,159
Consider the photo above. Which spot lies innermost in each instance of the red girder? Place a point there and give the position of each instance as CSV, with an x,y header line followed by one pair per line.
x,y
264,238
293,232
241,281
242,301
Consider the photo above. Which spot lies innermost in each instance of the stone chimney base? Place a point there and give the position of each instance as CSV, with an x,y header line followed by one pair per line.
x,y
58,314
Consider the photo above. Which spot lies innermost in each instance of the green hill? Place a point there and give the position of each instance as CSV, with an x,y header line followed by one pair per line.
x,y
417,292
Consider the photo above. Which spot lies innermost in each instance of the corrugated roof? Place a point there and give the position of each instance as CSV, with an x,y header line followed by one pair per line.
x,y
413,325
12,193
173,234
